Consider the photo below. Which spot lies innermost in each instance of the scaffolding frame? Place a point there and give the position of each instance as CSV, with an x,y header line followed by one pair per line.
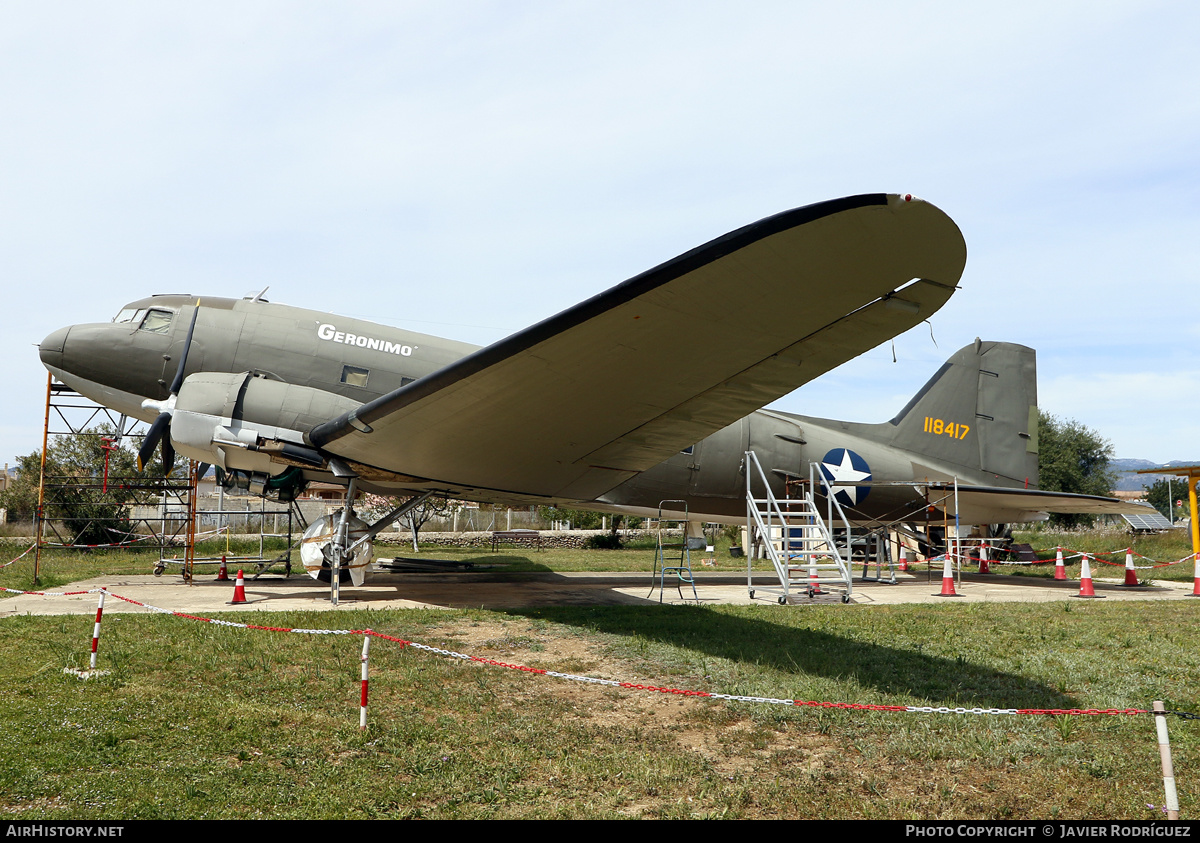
x,y
174,525
70,414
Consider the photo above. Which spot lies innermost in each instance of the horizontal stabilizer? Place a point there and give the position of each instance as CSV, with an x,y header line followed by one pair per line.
x,y
997,505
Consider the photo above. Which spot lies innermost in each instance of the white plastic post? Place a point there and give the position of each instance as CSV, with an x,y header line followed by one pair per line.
x,y
1164,752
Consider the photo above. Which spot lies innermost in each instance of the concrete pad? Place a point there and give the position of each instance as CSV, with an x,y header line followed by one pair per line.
x,y
493,590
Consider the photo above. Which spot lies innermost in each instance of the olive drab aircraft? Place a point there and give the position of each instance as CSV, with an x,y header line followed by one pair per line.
x,y
564,412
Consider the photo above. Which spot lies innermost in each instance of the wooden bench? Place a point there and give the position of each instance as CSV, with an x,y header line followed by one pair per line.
x,y
516,537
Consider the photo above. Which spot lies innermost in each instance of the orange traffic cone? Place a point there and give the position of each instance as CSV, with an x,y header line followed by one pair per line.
x,y
239,590
1085,580
947,580
983,559
814,585
1130,573
1196,581
1060,573
223,571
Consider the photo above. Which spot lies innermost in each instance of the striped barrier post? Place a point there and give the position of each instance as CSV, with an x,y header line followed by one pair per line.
x,y
366,653
96,630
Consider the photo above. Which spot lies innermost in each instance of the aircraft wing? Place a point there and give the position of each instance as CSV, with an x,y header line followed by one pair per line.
x,y
1000,505
580,402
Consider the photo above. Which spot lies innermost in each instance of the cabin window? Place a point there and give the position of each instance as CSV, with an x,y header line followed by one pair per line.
x,y
157,321
355,375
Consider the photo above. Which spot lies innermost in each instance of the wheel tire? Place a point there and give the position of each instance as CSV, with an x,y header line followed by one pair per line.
x,y
751,594
325,575
783,600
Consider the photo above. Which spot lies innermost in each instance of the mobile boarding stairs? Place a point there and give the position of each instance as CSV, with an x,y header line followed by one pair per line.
x,y
797,540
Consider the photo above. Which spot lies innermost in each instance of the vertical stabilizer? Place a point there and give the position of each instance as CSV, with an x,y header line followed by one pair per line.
x,y
979,411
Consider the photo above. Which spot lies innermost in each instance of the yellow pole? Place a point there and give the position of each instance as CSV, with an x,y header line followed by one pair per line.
x,y
1192,483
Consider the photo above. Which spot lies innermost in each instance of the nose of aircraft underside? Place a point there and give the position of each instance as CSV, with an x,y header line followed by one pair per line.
x,y
51,348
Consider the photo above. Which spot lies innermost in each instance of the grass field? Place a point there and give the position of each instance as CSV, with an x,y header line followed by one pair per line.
x,y
197,720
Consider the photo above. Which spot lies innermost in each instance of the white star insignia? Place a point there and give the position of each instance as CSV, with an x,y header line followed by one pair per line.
x,y
845,472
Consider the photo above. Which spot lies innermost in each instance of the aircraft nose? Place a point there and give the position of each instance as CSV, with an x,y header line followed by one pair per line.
x,y
51,348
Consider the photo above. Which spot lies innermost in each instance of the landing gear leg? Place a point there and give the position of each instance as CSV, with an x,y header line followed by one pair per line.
x,y
338,549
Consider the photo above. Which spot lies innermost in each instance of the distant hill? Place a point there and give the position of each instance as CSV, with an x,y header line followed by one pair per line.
x,y
1128,481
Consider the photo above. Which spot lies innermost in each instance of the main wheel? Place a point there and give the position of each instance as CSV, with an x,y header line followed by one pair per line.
x,y
318,538
325,575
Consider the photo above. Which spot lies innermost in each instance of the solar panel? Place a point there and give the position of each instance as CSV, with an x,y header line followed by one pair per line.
x,y
1153,520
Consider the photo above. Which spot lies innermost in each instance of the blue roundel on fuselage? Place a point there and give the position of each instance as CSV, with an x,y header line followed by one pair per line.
x,y
841,465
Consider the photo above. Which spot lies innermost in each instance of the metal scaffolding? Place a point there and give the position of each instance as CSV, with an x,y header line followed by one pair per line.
x,y
111,508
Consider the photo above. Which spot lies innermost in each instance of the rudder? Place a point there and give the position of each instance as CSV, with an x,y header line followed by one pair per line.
x,y
979,411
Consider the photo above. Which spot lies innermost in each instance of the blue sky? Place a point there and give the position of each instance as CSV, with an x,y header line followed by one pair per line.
x,y
468,168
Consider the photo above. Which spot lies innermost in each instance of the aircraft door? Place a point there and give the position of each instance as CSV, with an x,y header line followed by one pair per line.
x,y
717,463
779,445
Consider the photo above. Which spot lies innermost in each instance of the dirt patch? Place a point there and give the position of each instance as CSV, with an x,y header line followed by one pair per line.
x,y
730,742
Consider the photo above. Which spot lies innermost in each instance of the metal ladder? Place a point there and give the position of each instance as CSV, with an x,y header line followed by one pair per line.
x,y
797,540
665,566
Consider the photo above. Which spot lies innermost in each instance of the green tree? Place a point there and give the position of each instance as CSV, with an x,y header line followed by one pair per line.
x,y
1162,496
1073,458
75,478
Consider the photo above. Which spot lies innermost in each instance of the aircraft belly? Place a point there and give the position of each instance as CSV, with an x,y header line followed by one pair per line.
x,y
125,403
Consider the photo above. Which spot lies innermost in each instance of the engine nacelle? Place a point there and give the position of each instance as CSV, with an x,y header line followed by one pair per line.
x,y
225,418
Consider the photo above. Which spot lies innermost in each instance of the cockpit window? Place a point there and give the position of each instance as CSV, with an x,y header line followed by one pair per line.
x,y
129,314
157,321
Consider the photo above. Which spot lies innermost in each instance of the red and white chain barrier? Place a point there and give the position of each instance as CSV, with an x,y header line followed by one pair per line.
x,y
591,680
19,558
1120,558
130,542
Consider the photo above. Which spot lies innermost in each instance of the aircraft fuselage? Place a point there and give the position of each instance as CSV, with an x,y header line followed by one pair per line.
x,y
128,364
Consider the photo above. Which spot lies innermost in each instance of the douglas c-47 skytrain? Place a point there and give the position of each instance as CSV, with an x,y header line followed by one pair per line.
x,y
564,411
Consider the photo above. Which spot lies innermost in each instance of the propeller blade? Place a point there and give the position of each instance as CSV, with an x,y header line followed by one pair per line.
x,y
168,453
187,346
153,435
